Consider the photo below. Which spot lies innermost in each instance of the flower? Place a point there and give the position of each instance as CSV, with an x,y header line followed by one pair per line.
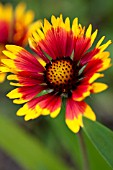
x,y
66,68
15,27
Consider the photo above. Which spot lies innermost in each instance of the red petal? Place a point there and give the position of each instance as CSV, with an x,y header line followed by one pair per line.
x,y
73,108
57,43
88,56
82,44
81,92
92,67
46,104
29,92
26,61
4,32
75,111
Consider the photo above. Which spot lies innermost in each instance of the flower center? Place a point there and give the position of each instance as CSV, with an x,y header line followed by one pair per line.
x,y
60,75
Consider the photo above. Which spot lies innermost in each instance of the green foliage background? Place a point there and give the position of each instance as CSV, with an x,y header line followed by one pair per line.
x,y
45,143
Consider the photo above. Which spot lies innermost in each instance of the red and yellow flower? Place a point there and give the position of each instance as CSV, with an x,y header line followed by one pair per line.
x,y
15,27
67,67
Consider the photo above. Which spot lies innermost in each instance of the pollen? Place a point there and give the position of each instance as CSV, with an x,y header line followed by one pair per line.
x,y
59,74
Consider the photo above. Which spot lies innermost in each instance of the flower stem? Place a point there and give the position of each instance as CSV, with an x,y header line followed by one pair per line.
x,y
84,151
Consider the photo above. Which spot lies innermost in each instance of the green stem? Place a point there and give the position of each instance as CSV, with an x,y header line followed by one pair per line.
x,y
83,151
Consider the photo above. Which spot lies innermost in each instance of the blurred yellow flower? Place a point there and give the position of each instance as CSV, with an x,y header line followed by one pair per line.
x,y
15,27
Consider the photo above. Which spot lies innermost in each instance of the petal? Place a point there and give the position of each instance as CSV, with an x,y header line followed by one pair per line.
x,y
50,105
95,77
67,24
22,59
93,36
12,77
25,93
22,21
88,56
4,30
105,64
73,125
9,62
92,67
2,77
83,43
6,15
75,111
29,110
5,69
98,87
106,61
37,49
55,43
55,39
43,105
88,31
81,46
19,11
104,46
81,92
30,106
6,12
29,92
75,27
27,79
14,94
89,113
100,41
9,54
34,26
104,57
56,107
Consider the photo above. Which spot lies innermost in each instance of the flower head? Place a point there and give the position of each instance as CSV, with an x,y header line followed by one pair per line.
x,y
15,27
66,68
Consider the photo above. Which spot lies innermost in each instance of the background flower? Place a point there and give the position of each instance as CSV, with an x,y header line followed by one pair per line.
x,y
15,27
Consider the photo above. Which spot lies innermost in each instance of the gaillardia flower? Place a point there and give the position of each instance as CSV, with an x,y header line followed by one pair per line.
x,y
66,68
15,27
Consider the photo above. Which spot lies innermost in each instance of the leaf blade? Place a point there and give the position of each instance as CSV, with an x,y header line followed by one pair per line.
x,y
101,137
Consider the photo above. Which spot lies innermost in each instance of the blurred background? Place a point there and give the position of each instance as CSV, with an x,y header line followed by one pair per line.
x,y
45,143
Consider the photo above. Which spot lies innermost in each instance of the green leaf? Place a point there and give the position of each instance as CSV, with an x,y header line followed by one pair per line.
x,y
26,149
101,137
96,161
